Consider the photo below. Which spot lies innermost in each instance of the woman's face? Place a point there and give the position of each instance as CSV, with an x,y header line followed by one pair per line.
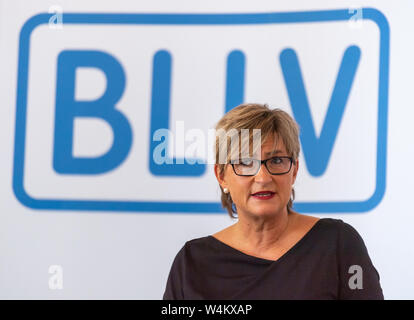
x,y
243,188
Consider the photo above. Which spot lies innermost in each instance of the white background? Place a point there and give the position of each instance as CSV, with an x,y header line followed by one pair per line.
x,y
128,255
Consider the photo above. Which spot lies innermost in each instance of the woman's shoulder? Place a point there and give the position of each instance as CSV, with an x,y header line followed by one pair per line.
x,y
303,223
339,230
195,244
190,249
333,226
304,219
338,224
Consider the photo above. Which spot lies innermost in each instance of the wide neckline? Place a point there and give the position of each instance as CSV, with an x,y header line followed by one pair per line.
x,y
295,246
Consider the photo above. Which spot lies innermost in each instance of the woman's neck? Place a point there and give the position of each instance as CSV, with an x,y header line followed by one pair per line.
x,y
262,234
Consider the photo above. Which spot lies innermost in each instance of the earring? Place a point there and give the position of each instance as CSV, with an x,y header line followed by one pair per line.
x,y
225,190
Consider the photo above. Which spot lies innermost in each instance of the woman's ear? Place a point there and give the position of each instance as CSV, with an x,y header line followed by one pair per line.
x,y
220,177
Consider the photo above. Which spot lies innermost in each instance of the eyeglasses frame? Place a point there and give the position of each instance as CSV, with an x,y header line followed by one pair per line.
x,y
265,163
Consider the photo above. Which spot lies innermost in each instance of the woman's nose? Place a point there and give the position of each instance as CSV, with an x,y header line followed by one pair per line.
x,y
263,175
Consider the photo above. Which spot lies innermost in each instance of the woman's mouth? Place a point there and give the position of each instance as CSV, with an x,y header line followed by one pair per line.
x,y
263,195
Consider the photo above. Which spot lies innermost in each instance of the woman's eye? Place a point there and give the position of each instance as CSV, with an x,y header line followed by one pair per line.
x,y
277,160
246,162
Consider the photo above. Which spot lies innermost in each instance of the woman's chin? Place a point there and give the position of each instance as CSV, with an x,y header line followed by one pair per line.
x,y
264,211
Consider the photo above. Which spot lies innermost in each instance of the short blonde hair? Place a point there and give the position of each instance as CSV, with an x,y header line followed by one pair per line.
x,y
271,122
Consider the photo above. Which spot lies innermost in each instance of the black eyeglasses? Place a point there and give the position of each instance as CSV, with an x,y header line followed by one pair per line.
x,y
275,166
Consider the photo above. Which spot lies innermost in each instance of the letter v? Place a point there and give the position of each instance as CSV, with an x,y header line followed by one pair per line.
x,y
317,151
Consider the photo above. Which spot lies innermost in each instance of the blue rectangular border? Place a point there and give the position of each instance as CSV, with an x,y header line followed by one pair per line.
x,y
198,19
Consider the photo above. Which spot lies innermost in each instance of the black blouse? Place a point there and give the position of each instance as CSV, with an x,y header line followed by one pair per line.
x,y
329,262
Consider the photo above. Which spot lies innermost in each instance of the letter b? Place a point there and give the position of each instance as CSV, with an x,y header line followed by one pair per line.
x,y
67,109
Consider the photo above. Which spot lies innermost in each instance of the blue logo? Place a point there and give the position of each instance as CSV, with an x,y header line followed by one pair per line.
x,y
317,149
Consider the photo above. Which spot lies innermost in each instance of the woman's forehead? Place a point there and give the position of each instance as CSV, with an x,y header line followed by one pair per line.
x,y
273,146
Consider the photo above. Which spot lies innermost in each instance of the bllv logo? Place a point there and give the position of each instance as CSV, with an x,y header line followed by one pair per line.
x,y
317,148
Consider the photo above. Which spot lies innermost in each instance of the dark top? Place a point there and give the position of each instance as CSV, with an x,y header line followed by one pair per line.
x,y
329,262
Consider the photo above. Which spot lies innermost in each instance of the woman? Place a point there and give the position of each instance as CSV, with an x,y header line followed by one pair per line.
x,y
271,252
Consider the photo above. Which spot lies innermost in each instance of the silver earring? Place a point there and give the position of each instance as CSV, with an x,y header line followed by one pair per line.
x,y
225,190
